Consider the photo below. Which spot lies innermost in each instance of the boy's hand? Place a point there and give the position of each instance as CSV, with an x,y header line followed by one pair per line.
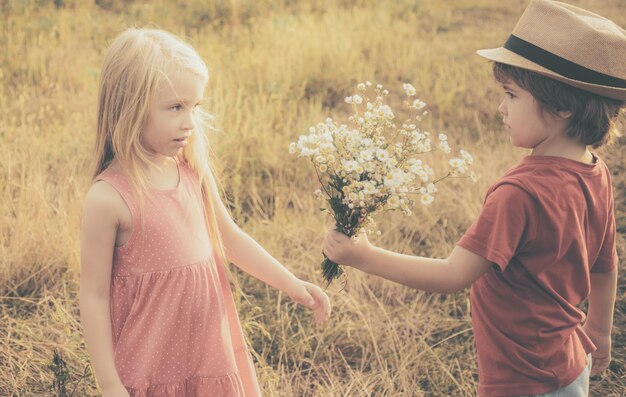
x,y
340,249
311,296
601,358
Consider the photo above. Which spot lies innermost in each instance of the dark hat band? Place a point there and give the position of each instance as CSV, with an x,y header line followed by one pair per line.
x,y
560,65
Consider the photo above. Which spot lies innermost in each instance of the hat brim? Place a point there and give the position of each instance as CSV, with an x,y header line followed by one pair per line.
x,y
508,57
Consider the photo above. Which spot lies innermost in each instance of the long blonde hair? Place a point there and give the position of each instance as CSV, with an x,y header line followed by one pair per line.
x,y
134,66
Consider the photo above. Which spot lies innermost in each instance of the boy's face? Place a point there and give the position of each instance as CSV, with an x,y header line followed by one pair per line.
x,y
171,117
527,125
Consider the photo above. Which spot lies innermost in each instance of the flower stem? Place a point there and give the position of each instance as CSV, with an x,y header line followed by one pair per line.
x,y
330,270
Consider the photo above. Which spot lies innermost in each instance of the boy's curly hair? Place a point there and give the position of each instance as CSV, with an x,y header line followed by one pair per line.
x,y
593,120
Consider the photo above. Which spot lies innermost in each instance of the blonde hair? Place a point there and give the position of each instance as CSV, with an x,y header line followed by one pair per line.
x,y
134,66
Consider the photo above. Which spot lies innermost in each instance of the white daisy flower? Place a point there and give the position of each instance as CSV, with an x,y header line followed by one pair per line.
x,y
409,89
418,104
467,157
426,199
382,155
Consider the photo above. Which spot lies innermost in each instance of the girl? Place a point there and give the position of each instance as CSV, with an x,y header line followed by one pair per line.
x,y
545,238
156,308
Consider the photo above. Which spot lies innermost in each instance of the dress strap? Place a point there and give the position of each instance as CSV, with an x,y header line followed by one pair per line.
x,y
122,185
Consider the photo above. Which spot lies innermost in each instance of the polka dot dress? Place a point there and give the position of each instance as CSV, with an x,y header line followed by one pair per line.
x,y
175,328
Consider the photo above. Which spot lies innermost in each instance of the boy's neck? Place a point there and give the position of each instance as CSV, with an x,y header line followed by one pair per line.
x,y
562,146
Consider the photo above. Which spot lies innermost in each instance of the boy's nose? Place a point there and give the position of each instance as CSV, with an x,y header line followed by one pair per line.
x,y
502,108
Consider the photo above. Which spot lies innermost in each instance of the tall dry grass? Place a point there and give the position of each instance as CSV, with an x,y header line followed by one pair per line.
x,y
277,67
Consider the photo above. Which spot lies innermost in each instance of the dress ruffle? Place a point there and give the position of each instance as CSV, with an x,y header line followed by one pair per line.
x,y
222,386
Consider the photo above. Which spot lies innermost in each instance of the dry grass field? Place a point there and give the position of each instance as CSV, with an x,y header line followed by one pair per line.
x,y
276,67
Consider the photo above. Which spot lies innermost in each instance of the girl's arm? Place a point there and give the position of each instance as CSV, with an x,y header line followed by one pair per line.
x,y
452,274
249,256
98,233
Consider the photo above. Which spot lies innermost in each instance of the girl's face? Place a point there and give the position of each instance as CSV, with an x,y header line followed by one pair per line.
x,y
527,125
171,116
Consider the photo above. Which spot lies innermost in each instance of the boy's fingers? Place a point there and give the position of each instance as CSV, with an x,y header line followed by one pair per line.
x,y
342,238
598,364
329,247
326,249
338,237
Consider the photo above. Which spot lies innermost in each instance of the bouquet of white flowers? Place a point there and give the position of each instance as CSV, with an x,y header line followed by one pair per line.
x,y
374,165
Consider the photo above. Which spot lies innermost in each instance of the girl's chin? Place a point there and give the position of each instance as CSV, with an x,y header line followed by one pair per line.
x,y
165,153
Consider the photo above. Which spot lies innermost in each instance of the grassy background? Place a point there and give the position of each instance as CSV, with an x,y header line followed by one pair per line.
x,y
276,67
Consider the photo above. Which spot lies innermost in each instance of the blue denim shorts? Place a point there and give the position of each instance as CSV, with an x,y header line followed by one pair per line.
x,y
578,388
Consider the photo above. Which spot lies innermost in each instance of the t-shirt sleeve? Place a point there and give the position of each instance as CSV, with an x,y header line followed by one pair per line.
x,y
607,258
502,225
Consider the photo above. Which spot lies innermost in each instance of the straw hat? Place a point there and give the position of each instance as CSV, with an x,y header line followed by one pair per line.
x,y
568,44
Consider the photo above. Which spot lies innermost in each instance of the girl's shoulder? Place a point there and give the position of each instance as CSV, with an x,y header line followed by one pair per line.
x,y
104,198
104,204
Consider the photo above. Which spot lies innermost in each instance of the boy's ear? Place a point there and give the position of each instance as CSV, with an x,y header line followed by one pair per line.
x,y
564,114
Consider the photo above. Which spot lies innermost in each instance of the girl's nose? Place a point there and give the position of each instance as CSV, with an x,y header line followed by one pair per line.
x,y
188,123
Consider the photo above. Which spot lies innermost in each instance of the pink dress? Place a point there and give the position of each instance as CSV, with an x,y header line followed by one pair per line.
x,y
175,327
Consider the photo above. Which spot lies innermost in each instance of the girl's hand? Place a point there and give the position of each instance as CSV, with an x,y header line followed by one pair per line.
x,y
340,249
117,390
311,296
601,358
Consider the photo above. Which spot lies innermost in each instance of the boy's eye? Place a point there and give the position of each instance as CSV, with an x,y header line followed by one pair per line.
x,y
509,94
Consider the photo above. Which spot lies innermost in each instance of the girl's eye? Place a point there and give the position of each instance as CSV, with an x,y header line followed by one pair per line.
x,y
177,107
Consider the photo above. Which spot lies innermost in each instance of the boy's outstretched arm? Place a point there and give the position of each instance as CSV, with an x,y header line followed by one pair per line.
x,y
600,317
452,274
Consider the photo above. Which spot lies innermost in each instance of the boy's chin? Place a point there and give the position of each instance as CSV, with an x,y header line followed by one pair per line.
x,y
520,145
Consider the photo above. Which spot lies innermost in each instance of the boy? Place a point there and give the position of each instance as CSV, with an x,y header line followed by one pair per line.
x,y
545,238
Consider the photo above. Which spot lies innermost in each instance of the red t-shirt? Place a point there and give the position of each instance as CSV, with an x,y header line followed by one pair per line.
x,y
546,224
